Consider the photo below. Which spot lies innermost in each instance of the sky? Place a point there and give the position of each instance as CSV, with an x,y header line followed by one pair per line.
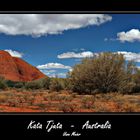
x,y
54,43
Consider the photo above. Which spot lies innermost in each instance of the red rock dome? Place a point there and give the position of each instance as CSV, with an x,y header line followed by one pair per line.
x,y
16,69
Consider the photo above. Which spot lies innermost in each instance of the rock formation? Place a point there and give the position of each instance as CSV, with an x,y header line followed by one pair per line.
x,y
16,69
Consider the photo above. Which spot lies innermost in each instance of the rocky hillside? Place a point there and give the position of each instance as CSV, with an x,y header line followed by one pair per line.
x,y
15,69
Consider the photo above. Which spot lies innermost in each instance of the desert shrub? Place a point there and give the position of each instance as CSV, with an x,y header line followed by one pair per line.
x,y
106,72
136,80
65,82
3,98
128,84
44,82
2,83
74,95
45,97
51,97
68,107
127,88
9,94
19,85
30,98
56,84
10,83
12,102
88,102
68,98
56,97
33,85
129,107
15,84
42,106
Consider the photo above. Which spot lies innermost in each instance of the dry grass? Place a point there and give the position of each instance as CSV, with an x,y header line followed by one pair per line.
x,y
64,101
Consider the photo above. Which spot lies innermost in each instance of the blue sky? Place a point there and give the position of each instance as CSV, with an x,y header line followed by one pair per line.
x,y
55,43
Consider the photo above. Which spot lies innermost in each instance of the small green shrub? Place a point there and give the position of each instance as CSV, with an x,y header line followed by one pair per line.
x,y
2,83
88,102
56,84
33,85
67,107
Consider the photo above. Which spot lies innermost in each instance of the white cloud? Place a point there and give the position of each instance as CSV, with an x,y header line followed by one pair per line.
x,y
51,71
70,70
47,71
75,55
54,73
53,66
61,74
130,56
15,53
138,67
43,24
129,36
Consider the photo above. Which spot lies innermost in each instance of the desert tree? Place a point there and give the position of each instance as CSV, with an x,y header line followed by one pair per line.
x,y
106,72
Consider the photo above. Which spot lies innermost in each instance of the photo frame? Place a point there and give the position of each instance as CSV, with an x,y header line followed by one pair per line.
x,y
98,124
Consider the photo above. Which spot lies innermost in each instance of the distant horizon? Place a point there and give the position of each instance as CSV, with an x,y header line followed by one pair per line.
x,y
54,43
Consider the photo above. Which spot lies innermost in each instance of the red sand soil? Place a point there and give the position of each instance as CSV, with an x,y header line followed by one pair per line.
x,y
17,109
16,69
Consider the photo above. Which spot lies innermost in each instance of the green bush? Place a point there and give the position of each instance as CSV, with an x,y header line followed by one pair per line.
x,y
15,84
45,82
33,85
2,83
56,84
10,83
19,85
136,80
